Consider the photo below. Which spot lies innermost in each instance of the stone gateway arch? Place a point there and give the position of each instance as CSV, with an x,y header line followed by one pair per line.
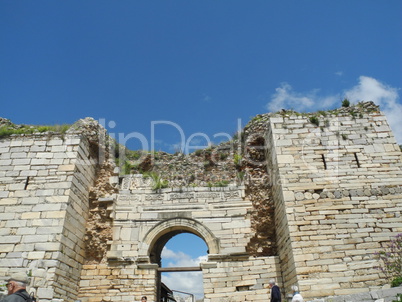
x,y
161,233
144,220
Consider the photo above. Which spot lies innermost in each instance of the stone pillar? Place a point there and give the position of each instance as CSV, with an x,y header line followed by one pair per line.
x,y
44,203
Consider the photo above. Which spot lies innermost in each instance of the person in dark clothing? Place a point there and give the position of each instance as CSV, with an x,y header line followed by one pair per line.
x,y
275,291
16,288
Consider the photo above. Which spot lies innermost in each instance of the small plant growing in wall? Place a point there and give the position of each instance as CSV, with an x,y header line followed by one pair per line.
x,y
237,159
396,282
314,120
198,152
158,182
345,103
223,156
125,166
240,176
208,164
391,260
344,136
222,183
256,119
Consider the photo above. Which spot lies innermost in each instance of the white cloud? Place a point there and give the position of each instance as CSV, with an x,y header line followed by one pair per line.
x,y
367,89
190,282
169,254
370,89
286,98
180,259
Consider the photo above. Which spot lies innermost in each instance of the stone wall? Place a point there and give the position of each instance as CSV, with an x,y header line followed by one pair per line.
x,y
118,281
338,200
385,295
242,280
321,194
281,223
44,183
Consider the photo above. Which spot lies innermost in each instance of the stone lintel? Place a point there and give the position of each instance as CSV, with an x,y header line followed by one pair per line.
x,y
105,199
206,265
229,257
148,266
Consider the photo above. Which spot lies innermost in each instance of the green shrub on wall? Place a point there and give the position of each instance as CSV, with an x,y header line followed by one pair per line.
x,y
6,131
314,120
158,182
391,261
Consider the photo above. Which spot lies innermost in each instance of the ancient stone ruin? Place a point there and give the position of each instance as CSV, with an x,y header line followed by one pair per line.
x,y
306,199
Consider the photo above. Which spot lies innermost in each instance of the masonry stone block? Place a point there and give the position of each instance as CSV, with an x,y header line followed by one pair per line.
x,y
11,263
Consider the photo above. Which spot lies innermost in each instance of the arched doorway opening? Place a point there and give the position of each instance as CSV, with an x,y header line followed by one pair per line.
x,y
185,250
157,238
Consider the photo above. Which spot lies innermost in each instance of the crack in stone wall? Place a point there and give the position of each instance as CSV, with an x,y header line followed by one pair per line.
x,y
99,225
257,183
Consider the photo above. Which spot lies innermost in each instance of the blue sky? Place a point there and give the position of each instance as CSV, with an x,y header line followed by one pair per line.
x,y
175,68
205,66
